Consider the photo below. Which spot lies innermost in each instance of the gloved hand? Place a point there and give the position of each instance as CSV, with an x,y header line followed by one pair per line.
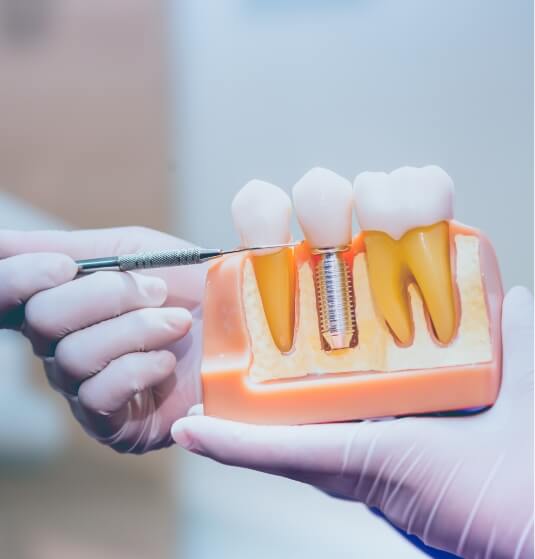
x,y
461,484
123,348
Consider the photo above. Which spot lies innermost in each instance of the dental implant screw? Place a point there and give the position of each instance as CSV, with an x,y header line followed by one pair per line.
x,y
335,299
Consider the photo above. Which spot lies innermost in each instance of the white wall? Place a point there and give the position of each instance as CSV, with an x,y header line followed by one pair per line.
x,y
269,89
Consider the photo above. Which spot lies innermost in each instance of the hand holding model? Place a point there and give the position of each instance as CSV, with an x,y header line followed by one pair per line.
x,y
461,484
123,348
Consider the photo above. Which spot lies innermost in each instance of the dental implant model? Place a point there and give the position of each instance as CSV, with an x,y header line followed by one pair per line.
x,y
403,318
323,202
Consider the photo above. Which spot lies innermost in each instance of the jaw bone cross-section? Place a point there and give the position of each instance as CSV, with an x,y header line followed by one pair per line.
x,y
403,318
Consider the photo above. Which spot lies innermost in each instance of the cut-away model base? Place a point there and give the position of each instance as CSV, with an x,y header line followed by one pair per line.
x,y
245,379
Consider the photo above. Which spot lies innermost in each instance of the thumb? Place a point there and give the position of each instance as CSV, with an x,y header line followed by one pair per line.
x,y
80,244
295,451
517,338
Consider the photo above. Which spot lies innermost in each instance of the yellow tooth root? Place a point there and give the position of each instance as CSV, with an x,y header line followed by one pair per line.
x,y
427,253
275,276
424,254
388,273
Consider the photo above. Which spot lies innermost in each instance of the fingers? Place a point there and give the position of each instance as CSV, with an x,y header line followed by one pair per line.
x,y
85,353
197,409
110,242
517,339
123,378
52,314
83,244
77,244
346,459
285,449
25,275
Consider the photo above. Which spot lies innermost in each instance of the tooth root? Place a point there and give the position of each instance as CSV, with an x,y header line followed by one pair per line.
x,y
387,274
275,276
427,254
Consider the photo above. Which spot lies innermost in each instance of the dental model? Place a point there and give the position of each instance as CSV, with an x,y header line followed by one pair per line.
x,y
404,318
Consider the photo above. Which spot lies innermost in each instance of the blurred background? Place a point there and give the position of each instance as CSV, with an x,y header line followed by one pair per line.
x,y
116,112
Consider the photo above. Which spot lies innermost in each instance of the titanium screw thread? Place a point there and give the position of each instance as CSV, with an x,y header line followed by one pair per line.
x,y
335,299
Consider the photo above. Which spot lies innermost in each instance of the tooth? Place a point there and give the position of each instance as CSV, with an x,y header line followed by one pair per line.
x,y
427,253
388,281
323,206
261,212
404,216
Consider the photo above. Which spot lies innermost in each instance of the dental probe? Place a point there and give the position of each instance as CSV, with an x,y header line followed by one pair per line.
x,y
162,258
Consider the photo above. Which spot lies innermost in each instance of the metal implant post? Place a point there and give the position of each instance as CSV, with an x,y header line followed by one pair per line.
x,y
335,299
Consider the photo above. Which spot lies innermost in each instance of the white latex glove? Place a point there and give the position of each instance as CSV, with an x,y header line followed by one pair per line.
x,y
463,484
123,348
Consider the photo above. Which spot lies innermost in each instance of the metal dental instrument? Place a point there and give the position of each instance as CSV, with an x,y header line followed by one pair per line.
x,y
162,258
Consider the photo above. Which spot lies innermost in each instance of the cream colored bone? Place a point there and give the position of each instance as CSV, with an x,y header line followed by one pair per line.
x,y
376,350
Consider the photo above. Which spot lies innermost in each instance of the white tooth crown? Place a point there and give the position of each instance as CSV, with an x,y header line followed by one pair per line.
x,y
408,197
323,206
261,213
